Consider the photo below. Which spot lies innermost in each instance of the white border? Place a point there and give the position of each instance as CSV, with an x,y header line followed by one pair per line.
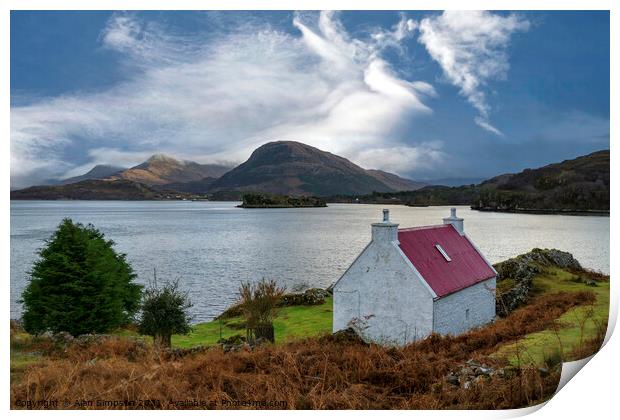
x,y
591,395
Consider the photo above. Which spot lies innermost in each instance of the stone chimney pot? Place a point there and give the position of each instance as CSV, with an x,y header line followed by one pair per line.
x,y
455,221
385,231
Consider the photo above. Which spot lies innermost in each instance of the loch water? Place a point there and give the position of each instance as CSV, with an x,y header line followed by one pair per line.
x,y
213,246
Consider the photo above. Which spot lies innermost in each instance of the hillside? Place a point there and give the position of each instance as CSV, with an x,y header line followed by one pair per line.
x,y
292,168
395,182
432,195
98,172
161,169
119,189
580,184
201,186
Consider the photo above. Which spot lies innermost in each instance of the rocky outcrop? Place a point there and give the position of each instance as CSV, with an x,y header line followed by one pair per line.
x,y
522,269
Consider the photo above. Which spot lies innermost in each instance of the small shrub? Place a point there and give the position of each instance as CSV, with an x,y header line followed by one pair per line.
x,y
164,311
258,304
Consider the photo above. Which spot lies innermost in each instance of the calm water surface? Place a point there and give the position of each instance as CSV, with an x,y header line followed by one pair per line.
x,y
213,246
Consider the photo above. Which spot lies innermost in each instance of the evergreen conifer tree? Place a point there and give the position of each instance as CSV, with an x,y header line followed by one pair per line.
x,y
80,284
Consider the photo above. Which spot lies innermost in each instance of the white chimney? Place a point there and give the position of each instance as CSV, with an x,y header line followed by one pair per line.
x,y
457,222
385,231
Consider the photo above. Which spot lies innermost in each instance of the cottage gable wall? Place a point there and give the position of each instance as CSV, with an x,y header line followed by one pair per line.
x,y
383,297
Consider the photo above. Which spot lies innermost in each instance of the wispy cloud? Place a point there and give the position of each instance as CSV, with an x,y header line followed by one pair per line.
x,y
213,98
470,47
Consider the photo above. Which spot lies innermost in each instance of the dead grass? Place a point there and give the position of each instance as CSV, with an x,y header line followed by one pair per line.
x,y
316,373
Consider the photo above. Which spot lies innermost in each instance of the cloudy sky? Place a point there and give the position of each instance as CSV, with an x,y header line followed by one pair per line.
x,y
427,95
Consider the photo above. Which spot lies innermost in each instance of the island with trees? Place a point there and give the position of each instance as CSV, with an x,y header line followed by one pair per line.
x,y
266,201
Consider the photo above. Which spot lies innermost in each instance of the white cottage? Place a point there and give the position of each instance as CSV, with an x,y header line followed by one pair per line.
x,y
408,283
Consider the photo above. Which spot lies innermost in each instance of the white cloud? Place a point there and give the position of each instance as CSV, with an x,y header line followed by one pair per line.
x,y
470,47
212,98
400,158
484,123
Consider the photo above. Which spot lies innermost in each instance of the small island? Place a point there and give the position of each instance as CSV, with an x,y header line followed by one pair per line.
x,y
273,201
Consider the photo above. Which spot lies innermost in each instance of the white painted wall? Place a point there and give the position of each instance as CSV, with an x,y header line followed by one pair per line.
x,y
382,291
450,312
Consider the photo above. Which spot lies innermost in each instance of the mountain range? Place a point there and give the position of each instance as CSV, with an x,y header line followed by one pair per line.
x,y
162,170
281,167
296,169
98,172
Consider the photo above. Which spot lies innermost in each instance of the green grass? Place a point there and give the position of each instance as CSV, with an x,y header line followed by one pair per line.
x,y
21,355
292,322
22,360
504,285
573,328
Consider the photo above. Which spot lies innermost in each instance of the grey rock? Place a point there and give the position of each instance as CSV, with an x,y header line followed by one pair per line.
x,y
453,380
62,337
483,370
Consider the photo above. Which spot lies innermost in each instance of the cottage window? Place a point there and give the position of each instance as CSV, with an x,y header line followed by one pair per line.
x,y
441,250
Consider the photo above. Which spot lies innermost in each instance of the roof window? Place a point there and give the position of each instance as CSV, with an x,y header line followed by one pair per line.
x,y
443,253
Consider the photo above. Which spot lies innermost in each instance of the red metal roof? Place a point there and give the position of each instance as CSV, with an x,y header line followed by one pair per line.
x,y
467,267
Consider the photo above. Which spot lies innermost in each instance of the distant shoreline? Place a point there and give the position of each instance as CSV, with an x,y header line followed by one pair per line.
x,y
559,212
241,206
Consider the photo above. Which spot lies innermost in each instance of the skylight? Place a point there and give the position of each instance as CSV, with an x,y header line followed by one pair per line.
x,y
444,253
